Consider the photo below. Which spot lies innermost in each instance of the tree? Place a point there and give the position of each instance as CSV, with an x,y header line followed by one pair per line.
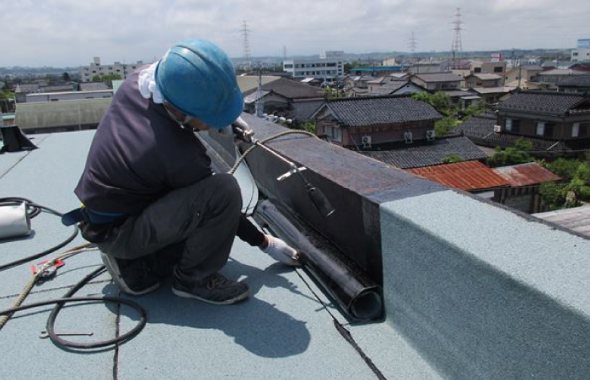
x,y
310,126
66,77
439,101
7,101
108,79
452,159
575,188
517,154
443,127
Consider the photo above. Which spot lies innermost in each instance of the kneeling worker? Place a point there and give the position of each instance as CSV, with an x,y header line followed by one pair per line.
x,y
148,185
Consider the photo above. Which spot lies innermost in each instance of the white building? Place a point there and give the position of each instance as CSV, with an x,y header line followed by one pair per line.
x,y
95,68
582,53
328,65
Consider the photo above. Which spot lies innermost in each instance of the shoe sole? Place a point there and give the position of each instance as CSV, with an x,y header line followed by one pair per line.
x,y
230,301
115,273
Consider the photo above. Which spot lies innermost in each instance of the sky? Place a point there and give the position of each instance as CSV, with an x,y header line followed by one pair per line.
x,y
71,32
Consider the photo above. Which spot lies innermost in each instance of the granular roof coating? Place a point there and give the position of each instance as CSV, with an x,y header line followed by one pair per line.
x,y
469,175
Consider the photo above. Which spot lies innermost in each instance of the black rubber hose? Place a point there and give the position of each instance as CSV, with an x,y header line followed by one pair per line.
x,y
67,299
34,209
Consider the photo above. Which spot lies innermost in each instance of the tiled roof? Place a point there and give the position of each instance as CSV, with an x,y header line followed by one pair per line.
x,y
254,96
302,110
480,129
575,81
457,93
62,88
291,89
439,77
485,76
389,88
526,174
468,175
418,155
553,103
358,112
493,90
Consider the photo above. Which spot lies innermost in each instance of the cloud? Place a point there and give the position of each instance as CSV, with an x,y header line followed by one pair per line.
x,y
71,32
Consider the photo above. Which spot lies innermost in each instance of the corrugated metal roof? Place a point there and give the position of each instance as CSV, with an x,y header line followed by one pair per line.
x,y
576,219
469,175
526,174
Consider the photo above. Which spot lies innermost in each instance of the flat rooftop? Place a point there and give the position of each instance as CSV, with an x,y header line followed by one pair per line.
x,y
471,290
284,331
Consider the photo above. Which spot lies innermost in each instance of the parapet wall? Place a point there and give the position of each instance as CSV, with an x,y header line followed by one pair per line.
x,y
480,291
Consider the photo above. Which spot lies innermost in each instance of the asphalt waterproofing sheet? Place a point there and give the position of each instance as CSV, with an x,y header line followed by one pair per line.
x,y
283,331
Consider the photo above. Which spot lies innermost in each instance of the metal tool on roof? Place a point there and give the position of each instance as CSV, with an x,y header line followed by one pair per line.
x,y
357,295
317,197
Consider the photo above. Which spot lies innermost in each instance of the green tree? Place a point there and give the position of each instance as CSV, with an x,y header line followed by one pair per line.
x,y
310,126
574,188
476,109
7,101
452,159
517,154
108,79
66,77
439,101
443,127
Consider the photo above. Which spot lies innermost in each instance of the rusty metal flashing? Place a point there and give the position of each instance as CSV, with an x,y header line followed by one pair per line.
x,y
355,185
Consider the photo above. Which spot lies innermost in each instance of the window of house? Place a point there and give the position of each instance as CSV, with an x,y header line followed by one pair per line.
x,y
549,129
576,130
289,66
498,69
584,130
508,124
477,70
540,128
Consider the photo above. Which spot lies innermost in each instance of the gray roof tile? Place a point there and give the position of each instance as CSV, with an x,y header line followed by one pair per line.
x,y
428,154
358,112
553,103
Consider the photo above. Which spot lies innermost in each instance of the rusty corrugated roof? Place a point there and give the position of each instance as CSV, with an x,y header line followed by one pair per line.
x,y
526,174
469,175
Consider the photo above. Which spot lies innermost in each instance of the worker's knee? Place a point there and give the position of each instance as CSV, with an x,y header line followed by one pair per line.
x,y
227,191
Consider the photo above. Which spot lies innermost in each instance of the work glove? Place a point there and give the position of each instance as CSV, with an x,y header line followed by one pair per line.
x,y
281,252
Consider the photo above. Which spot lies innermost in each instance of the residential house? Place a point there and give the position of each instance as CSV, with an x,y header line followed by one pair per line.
x,y
522,74
554,76
525,181
576,83
281,98
425,68
546,115
498,68
513,186
368,121
483,80
437,81
391,85
556,124
493,95
22,90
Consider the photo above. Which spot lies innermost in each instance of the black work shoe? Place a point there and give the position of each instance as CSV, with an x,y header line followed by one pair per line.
x,y
133,277
214,289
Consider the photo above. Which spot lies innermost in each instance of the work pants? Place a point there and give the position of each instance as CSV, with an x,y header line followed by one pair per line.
x,y
200,221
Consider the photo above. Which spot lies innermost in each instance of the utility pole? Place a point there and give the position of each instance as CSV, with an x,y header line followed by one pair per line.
x,y
457,46
246,52
259,104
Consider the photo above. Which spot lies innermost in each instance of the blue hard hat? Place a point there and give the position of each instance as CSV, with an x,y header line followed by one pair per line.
x,y
198,79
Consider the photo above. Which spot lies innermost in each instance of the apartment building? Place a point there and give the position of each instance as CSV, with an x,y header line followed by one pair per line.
x,y
328,65
96,68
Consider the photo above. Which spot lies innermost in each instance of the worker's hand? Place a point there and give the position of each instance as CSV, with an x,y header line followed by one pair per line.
x,y
242,131
280,251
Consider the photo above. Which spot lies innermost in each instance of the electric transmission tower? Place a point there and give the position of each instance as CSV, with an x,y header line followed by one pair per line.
x,y
246,52
412,43
457,45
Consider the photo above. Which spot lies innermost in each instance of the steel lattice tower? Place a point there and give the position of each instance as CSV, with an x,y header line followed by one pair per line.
x,y
246,52
412,43
457,46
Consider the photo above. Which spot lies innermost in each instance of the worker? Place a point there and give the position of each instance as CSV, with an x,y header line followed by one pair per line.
x,y
148,186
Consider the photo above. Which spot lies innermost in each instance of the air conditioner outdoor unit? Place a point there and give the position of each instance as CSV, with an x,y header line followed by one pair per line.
x,y
366,141
430,135
497,128
408,137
